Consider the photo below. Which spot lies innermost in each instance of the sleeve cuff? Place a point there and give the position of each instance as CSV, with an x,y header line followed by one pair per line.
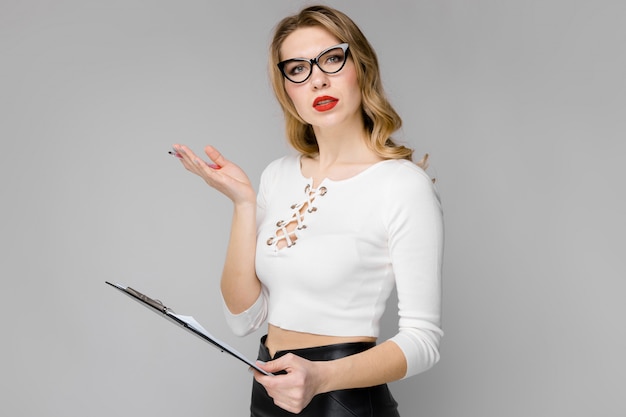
x,y
249,320
420,348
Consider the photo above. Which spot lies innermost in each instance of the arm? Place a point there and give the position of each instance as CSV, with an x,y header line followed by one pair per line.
x,y
239,284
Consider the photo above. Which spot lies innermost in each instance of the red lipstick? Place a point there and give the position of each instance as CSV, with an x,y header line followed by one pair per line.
x,y
325,103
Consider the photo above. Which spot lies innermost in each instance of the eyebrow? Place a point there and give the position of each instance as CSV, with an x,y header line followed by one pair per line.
x,y
303,57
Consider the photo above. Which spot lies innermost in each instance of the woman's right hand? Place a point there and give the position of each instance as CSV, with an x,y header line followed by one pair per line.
x,y
222,174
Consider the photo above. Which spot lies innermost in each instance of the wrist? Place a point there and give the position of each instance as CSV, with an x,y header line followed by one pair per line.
x,y
244,206
330,374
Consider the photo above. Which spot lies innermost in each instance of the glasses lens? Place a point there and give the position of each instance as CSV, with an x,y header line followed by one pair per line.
x,y
297,71
332,61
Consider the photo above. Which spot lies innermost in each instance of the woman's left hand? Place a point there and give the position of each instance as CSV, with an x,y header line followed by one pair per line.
x,y
295,390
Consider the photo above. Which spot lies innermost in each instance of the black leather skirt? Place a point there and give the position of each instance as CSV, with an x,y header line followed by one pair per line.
x,y
358,402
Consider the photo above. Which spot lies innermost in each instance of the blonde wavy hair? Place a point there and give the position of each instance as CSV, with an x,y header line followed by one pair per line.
x,y
380,119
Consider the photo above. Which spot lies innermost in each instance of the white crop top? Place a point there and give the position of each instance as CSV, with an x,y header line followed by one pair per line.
x,y
353,241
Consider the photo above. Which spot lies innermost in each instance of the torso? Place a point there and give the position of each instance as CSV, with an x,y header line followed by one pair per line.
x,y
274,259
280,339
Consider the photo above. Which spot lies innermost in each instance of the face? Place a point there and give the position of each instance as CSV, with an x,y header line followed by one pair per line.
x,y
323,100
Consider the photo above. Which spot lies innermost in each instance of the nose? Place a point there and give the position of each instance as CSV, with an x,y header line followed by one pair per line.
x,y
319,79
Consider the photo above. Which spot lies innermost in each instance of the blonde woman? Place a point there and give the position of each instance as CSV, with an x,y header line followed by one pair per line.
x,y
317,252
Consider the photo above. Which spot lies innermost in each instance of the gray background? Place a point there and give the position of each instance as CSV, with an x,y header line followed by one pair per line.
x,y
520,103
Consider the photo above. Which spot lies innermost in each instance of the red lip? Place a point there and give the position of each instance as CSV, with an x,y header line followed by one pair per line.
x,y
324,103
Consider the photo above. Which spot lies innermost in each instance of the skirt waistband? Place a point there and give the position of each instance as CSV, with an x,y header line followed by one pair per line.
x,y
318,353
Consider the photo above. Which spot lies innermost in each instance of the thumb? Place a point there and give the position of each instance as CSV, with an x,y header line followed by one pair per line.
x,y
215,156
274,366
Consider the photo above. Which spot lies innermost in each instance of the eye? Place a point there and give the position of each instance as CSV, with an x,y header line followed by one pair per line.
x,y
296,69
335,59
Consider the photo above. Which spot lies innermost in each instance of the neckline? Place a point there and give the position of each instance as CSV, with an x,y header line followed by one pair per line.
x,y
327,180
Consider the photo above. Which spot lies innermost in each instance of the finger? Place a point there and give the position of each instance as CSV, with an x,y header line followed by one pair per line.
x,y
205,170
264,365
267,366
280,365
189,159
215,156
184,153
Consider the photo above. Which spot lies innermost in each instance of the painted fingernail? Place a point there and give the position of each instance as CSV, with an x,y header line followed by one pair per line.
x,y
213,166
175,154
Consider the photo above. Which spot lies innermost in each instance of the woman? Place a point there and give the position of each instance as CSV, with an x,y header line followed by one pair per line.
x,y
317,252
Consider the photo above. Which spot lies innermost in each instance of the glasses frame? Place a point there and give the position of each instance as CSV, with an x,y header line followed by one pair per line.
x,y
315,61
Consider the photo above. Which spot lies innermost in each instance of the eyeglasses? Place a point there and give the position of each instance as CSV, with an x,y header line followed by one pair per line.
x,y
330,61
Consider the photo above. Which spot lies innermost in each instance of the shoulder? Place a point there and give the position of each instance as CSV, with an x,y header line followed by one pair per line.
x,y
408,198
282,165
400,174
402,184
286,167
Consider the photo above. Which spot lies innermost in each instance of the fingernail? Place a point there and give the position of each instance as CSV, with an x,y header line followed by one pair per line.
x,y
261,362
213,166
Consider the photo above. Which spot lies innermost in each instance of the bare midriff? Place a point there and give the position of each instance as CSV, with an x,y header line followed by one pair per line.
x,y
280,339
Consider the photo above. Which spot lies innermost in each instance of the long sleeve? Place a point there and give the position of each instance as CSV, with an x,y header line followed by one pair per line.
x,y
415,227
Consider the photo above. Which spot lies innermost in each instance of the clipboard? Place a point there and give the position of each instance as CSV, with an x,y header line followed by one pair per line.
x,y
186,322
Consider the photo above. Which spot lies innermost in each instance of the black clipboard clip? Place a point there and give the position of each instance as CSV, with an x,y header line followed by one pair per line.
x,y
156,304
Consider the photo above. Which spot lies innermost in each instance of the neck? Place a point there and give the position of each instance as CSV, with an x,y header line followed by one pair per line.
x,y
345,144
